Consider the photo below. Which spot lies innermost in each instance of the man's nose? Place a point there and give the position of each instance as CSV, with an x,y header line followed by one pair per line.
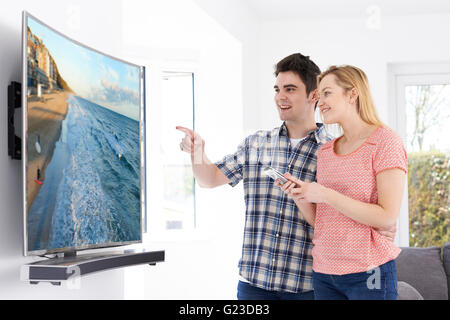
x,y
279,96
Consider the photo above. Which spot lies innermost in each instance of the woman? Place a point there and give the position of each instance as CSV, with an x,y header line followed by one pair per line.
x,y
360,181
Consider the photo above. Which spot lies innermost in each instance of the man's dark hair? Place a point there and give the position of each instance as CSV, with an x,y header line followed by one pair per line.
x,y
306,69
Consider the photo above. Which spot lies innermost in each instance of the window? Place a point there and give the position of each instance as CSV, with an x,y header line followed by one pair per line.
x,y
423,119
177,102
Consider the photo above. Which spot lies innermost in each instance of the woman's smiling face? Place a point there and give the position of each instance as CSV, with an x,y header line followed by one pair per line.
x,y
333,100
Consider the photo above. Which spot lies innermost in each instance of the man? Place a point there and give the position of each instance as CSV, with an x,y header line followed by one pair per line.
x,y
276,260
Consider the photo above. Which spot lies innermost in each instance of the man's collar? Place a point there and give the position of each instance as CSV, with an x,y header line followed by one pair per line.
x,y
283,129
319,134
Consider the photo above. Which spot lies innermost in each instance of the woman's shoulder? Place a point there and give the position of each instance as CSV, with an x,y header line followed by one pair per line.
x,y
388,132
327,145
385,136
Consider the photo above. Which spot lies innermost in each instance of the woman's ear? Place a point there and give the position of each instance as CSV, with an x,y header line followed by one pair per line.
x,y
353,95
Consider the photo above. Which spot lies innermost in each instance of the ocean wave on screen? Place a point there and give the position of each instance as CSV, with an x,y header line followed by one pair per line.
x,y
98,199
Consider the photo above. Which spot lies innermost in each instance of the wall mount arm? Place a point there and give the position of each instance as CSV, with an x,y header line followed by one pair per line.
x,y
14,101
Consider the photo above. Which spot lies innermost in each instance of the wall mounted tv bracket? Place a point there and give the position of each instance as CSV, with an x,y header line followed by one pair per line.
x,y
14,101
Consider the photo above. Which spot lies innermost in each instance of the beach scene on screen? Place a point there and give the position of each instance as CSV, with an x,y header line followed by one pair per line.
x,y
83,147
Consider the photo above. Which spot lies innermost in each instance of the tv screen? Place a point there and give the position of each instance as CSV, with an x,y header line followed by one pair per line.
x,y
83,146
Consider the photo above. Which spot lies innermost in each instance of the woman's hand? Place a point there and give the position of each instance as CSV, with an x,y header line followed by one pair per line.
x,y
388,232
291,188
302,191
299,191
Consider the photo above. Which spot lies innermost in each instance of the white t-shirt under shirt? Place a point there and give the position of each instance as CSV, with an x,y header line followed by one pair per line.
x,y
295,142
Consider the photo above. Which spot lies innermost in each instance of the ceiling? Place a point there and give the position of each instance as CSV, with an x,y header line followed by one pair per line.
x,y
266,10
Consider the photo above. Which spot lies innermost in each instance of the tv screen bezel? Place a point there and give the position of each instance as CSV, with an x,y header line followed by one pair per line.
x,y
142,145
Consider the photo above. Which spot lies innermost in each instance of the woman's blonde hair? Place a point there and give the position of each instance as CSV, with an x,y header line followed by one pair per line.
x,y
349,77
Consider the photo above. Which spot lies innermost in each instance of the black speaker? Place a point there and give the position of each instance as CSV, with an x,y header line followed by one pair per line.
x,y
14,101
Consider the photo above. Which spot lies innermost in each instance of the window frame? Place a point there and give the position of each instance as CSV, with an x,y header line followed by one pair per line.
x,y
193,76
400,76
154,208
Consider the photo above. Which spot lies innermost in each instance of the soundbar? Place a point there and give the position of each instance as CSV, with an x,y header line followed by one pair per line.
x,y
56,270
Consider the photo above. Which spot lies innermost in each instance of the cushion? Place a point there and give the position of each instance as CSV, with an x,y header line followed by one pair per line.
x,y
423,269
446,258
407,292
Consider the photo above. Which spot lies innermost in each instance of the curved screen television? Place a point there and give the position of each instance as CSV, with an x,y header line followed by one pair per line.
x,y
83,147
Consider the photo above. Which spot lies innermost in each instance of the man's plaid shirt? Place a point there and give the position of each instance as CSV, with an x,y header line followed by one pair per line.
x,y
276,253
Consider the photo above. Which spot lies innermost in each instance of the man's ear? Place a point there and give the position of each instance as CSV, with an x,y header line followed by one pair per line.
x,y
313,96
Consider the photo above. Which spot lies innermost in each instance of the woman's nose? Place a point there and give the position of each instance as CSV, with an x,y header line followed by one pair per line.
x,y
320,102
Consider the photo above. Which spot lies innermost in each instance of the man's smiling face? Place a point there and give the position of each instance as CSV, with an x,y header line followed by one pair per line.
x,y
290,96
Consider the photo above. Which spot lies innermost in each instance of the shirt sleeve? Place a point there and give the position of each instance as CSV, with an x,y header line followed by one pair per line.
x,y
390,154
232,165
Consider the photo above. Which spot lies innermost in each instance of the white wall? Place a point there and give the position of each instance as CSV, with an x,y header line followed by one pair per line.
x,y
238,19
401,38
95,27
179,35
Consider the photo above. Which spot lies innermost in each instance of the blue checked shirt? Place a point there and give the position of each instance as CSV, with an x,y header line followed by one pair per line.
x,y
276,253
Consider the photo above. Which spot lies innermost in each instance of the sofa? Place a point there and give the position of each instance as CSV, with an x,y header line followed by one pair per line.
x,y
424,273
